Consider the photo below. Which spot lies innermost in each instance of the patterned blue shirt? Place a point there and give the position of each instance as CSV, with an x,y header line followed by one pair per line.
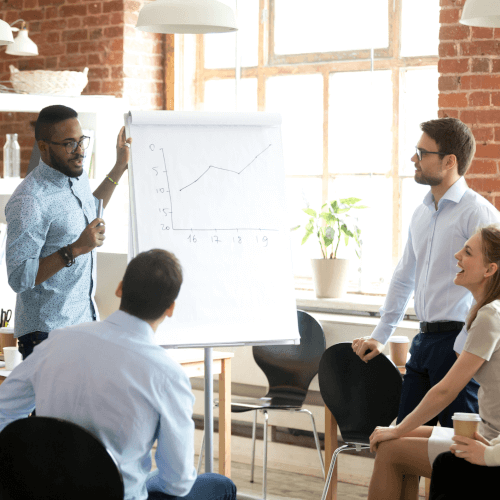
x,y
47,211
111,378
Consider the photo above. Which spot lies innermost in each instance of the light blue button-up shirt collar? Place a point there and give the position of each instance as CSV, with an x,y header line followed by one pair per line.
x,y
51,174
454,194
126,322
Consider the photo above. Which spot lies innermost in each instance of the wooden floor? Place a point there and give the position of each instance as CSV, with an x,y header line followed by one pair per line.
x,y
283,485
294,485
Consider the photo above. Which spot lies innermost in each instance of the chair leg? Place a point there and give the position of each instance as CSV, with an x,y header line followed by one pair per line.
x,y
316,439
254,431
264,481
200,458
330,470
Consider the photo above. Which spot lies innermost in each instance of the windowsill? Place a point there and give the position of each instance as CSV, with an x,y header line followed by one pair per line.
x,y
351,303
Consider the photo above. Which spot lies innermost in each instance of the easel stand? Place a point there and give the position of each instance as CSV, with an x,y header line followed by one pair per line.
x,y
209,419
209,411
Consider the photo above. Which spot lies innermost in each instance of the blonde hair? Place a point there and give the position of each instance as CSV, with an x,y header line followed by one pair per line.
x,y
490,243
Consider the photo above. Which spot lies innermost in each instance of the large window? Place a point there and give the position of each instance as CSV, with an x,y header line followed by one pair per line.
x,y
352,81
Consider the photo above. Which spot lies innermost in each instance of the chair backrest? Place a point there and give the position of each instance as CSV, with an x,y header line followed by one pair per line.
x,y
361,396
46,458
290,368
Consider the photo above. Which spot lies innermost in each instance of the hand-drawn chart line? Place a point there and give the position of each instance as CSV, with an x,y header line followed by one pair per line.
x,y
226,169
212,229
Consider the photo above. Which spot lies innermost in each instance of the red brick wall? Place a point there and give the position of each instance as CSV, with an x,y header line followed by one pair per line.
x,y
469,89
74,34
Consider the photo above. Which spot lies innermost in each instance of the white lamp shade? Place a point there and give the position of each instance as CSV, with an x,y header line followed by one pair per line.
x,y
186,16
483,13
6,37
22,45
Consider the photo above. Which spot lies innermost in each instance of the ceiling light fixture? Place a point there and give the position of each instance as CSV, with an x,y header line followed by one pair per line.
x,y
23,45
186,16
482,13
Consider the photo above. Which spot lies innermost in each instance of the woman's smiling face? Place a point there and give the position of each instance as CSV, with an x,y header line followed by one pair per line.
x,y
473,272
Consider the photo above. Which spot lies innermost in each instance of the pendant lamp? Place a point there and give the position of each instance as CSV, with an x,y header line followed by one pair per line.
x,y
23,45
6,37
482,13
186,16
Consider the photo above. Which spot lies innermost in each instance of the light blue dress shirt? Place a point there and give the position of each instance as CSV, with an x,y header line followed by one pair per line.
x,y
47,211
428,265
111,378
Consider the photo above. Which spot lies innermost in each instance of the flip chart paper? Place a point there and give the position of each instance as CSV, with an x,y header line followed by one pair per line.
x,y
210,187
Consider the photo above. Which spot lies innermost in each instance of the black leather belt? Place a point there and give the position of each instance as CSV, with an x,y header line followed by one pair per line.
x,y
440,326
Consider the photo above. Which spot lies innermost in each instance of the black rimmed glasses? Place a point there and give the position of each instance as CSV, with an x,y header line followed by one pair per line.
x,y
72,146
421,152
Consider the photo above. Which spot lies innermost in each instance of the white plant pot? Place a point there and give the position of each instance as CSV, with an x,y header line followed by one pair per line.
x,y
330,277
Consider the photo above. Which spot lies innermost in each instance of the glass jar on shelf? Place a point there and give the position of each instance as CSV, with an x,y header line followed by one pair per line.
x,y
11,157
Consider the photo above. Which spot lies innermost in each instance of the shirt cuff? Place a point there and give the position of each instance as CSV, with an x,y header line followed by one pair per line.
x,y
382,332
23,278
459,344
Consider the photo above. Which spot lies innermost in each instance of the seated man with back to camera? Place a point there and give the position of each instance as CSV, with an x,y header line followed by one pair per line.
x,y
111,378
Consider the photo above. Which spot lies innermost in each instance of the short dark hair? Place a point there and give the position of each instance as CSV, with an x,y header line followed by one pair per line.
x,y
151,284
452,137
48,117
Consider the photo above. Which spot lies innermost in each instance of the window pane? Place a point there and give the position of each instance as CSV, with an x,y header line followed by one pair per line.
x,y
220,47
420,28
412,195
326,26
220,95
299,99
185,72
374,270
360,121
419,103
300,194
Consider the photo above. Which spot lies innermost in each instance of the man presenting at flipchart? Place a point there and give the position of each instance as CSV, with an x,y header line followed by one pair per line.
x,y
440,226
53,230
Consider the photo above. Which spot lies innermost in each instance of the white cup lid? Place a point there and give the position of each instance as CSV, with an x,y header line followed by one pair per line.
x,y
469,417
399,339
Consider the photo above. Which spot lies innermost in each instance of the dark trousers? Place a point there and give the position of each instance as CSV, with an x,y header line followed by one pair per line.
x,y
454,478
209,486
432,356
29,341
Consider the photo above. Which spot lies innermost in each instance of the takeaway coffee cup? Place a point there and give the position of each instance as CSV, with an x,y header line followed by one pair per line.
x,y
465,424
398,349
12,357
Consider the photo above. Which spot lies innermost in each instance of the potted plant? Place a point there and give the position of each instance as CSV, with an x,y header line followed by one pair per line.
x,y
330,225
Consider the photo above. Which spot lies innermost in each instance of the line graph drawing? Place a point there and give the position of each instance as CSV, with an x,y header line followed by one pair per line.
x,y
225,169
228,182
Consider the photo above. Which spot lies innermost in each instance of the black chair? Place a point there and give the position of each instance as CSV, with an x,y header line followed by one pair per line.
x,y
289,370
52,459
361,396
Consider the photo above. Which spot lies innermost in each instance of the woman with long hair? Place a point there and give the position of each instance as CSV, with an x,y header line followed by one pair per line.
x,y
408,450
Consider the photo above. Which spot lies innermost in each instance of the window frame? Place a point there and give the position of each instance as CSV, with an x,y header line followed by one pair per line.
x,y
270,64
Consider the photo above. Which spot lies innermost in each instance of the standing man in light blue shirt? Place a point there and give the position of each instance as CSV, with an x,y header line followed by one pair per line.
x,y
448,217
53,230
112,378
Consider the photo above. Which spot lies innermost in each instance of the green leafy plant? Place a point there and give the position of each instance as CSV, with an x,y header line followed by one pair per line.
x,y
333,223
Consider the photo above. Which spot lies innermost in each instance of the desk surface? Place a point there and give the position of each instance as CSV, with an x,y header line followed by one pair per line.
x,y
182,356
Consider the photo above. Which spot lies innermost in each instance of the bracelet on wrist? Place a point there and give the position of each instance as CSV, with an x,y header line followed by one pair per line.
x,y
66,254
115,183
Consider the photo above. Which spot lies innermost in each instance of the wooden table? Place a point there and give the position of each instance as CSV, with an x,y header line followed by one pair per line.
x,y
332,443
192,360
